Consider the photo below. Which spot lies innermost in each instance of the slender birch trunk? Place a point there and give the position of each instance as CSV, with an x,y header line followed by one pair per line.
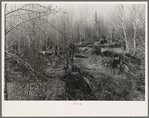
x,y
127,47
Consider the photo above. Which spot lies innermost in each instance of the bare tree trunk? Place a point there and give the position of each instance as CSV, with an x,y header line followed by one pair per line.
x,y
84,34
5,27
5,89
64,28
134,41
19,39
57,42
135,26
92,41
127,47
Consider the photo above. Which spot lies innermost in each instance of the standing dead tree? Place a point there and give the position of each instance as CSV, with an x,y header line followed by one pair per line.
x,y
119,18
137,17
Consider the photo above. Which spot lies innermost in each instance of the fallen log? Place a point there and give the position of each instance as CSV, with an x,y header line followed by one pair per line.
x,y
80,56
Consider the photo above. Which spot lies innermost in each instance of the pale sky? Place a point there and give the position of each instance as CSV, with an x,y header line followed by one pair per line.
x,y
79,9
101,8
90,8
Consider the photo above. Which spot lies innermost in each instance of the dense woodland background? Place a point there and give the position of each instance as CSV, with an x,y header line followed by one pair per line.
x,y
36,35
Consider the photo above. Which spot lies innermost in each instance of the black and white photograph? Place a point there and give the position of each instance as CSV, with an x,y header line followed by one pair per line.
x,y
74,51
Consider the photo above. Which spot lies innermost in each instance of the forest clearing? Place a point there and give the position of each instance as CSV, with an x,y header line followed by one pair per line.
x,y
55,52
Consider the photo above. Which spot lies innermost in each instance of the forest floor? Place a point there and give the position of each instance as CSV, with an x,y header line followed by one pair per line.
x,y
107,84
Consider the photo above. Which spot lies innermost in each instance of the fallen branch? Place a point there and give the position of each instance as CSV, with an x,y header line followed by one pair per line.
x,y
87,81
34,76
69,96
31,70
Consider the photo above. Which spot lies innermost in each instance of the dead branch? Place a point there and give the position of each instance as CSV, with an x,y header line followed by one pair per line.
x,y
18,15
33,75
24,22
22,9
87,81
31,70
70,96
